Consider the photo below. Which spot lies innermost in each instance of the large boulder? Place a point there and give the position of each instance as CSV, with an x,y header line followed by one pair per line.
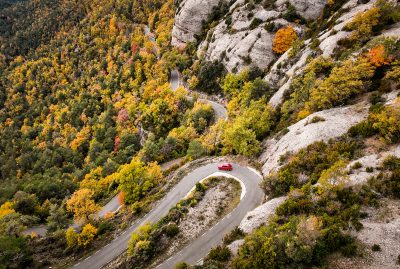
x,y
253,47
189,19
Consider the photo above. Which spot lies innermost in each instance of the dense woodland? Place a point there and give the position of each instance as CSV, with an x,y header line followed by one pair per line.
x,y
87,111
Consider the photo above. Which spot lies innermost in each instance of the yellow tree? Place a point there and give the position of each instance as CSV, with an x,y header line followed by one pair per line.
x,y
6,208
136,179
334,178
387,122
82,205
81,137
113,27
239,139
87,235
93,180
394,74
139,237
212,138
343,82
71,237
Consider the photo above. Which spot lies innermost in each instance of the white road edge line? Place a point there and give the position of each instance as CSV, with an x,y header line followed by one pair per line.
x,y
255,171
216,174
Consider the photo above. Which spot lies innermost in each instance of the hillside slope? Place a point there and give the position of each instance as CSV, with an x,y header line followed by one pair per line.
x,y
96,99
320,90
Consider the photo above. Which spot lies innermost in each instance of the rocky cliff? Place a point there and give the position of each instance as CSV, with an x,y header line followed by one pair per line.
x,y
243,35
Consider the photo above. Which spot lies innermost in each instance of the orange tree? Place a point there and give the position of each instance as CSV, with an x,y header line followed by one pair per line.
x,y
284,39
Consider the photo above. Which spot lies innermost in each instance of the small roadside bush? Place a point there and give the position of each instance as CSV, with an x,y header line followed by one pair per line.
x,y
171,229
181,265
221,254
234,235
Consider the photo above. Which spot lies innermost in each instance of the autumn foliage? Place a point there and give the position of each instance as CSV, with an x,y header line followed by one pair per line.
x,y
87,235
82,204
363,23
6,208
377,56
284,39
121,198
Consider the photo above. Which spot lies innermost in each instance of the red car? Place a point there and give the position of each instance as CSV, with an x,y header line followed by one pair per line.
x,y
225,167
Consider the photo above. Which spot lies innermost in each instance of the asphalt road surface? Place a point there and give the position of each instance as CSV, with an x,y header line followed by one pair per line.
x,y
220,110
199,247
112,206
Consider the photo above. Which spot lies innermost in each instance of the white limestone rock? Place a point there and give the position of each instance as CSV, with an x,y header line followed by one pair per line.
x,y
348,16
277,98
393,31
309,9
188,20
239,48
235,245
260,215
300,135
329,43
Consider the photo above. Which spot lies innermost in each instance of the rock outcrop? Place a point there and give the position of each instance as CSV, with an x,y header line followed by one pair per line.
x,y
240,38
309,9
260,215
189,19
336,122
361,175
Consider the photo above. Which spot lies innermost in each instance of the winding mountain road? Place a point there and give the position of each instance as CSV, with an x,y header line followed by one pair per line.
x,y
251,197
219,110
199,247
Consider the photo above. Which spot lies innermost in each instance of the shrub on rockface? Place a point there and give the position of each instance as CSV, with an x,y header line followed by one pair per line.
x,y
387,122
387,182
309,164
307,227
383,121
366,24
344,81
284,39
